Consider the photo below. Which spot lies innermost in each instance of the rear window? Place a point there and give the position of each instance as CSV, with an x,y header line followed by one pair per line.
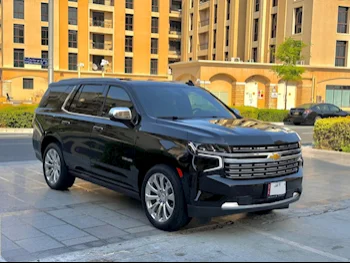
x,y
306,106
55,97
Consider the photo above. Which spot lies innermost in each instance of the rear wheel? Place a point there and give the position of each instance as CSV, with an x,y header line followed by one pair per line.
x,y
55,170
163,199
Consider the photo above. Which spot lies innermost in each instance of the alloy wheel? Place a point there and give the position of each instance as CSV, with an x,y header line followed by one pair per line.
x,y
160,198
52,166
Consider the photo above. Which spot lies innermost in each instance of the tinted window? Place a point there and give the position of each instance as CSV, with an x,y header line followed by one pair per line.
x,y
88,101
116,97
55,97
306,106
180,101
333,108
324,108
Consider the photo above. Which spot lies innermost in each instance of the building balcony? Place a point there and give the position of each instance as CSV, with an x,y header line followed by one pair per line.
x,y
204,4
175,33
108,69
101,26
203,46
204,23
102,5
100,48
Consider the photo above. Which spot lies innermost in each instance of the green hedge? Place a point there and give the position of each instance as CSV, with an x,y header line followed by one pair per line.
x,y
333,134
269,115
17,116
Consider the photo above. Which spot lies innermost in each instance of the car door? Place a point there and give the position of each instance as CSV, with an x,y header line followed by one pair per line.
x,y
335,111
113,143
77,124
325,111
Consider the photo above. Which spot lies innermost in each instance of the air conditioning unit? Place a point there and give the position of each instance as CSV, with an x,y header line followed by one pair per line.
x,y
251,61
301,62
236,60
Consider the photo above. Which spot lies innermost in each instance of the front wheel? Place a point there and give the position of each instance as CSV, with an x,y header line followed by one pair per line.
x,y
55,169
163,199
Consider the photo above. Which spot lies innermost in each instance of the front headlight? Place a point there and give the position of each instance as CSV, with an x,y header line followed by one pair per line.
x,y
204,157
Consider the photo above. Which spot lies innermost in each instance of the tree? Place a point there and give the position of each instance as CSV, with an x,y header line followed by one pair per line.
x,y
288,54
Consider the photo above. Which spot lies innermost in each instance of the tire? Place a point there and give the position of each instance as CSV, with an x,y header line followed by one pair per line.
x,y
60,180
172,198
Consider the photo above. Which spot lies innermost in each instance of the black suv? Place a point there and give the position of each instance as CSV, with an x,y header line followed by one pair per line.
x,y
175,147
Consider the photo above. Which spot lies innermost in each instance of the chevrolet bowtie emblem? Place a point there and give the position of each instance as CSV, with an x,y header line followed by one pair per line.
x,y
274,156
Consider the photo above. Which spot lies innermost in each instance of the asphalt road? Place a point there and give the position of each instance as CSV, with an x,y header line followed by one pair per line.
x,y
15,148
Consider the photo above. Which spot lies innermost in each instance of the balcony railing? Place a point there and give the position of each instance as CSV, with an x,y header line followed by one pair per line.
x,y
201,2
101,23
175,31
203,46
101,46
174,51
204,23
102,2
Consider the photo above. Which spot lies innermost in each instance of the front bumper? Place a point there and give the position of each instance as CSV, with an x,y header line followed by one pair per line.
x,y
219,196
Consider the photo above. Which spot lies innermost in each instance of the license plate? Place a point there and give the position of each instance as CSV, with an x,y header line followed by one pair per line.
x,y
275,189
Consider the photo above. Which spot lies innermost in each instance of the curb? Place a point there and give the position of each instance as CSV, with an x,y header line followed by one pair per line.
x,y
15,131
325,151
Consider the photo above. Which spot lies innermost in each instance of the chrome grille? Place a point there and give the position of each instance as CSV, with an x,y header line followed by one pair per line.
x,y
253,162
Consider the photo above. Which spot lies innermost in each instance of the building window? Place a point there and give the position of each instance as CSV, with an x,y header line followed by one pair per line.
x,y
191,21
73,39
44,36
129,22
45,55
255,55
257,5
214,36
128,44
18,58
272,54
44,12
216,14
214,56
72,61
175,46
154,46
341,53
72,16
129,4
343,19
28,84
228,9
227,36
155,25
154,66
226,56
298,20
191,44
256,30
128,65
274,3
155,7
18,9
18,34
274,26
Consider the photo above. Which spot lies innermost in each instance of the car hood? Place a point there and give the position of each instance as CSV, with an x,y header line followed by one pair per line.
x,y
233,131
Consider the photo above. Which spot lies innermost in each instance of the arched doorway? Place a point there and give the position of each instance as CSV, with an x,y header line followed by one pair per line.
x,y
222,86
186,77
256,92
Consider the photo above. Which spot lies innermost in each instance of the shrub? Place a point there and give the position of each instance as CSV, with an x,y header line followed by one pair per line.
x,y
17,116
333,134
268,115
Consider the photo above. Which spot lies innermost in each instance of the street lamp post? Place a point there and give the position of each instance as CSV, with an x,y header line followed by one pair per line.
x,y
51,41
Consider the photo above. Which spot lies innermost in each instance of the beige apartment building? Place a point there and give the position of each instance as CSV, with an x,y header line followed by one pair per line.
x,y
229,45
138,38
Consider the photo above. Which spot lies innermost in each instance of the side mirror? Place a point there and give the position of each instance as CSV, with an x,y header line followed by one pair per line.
x,y
123,114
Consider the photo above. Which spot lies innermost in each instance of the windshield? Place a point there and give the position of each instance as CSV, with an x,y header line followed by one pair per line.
x,y
183,102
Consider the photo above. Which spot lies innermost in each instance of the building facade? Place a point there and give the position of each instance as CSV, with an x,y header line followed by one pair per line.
x,y
138,38
240,37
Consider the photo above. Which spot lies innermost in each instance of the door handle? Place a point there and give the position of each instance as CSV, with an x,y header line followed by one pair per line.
x,y
66,122
98,128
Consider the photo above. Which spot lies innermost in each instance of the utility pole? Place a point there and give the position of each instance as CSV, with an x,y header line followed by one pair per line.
x,y
51,41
